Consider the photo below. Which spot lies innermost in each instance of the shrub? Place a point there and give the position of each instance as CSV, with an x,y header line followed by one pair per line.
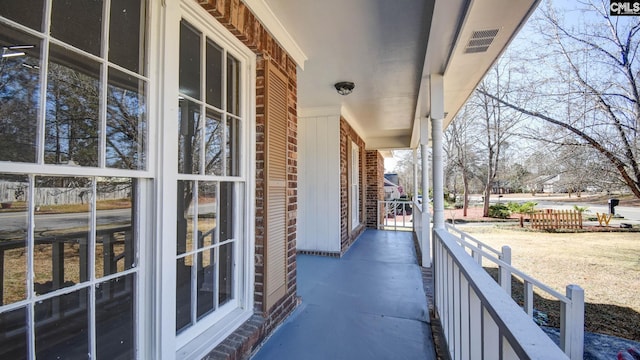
x,y
499,211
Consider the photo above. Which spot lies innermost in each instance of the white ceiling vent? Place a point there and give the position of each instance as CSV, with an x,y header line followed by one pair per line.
x,y
480,41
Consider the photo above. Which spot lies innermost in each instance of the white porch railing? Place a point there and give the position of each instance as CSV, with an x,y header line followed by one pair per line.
x,y
395,215
480,320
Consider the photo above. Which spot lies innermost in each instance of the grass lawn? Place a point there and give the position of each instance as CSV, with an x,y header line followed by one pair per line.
x,y
605,265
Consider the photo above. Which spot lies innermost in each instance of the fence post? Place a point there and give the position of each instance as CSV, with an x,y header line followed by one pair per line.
x,y
504,277
572,323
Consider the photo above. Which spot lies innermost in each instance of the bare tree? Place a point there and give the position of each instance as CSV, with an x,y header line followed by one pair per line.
x,y
460,155
497,122
589,88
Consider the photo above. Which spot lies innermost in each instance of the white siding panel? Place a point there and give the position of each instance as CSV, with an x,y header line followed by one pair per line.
x,y
319,184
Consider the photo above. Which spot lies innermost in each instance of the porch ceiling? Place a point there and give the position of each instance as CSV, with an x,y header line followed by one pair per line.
x,y
388,49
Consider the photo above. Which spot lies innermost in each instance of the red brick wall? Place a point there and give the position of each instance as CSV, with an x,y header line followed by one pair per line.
x,y
347,135
241,22
374,187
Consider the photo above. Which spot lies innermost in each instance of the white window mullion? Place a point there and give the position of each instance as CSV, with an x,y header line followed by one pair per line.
x,y
91,254
31,338
104,85
203,107
216,253
224,113
194,255
44,59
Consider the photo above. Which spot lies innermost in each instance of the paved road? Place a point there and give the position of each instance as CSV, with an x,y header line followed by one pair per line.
x,y
12,221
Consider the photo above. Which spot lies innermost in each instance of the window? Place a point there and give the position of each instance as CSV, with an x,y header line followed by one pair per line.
x,y
355,185
73,154
211,211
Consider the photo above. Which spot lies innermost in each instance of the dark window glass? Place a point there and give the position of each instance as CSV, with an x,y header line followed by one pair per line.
x,y
233,146
78,23
189,61
14,192
126,34
206,282
183,293
185,211
226,273
62,325
73,100
233,85
115,238
25,12
214,74
126,122
207,209
214,134
13,334
226,211
19,95
115,318
61,232
189,138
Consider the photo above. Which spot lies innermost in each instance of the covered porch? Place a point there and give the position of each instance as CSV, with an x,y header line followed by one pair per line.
x,y
369,304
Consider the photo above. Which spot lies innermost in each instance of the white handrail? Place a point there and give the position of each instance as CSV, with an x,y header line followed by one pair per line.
x,y
572,304
478,319
392,209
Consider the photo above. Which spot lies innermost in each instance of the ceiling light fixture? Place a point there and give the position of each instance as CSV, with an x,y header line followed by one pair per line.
x,y
344,87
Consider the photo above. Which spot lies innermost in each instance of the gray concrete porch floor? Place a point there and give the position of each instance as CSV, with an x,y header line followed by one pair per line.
x,y
370,304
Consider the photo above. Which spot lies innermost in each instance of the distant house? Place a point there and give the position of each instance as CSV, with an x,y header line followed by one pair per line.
x,y
391,190
544,184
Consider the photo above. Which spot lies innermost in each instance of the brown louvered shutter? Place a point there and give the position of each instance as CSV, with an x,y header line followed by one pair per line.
x,y
275,282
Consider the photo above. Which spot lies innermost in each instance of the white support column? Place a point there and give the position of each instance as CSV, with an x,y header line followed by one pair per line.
x,y
437,120
416,185
426,216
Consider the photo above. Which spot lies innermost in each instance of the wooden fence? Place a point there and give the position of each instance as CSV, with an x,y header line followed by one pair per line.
x,y
549,219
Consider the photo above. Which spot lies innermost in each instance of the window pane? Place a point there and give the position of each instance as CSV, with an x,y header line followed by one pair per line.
x,y
213,147
226,273
115,318
206,282
183,293
206,213
127,34
214,74
78,23
62,222
227,210
25,12
189,61
13,334
189,137
14,190
126,122
115,238
19,95
185,212
233,85
233,146
72,109
61,326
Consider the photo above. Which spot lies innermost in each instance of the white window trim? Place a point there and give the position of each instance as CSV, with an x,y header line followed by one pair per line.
x,y
165,343
355,186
